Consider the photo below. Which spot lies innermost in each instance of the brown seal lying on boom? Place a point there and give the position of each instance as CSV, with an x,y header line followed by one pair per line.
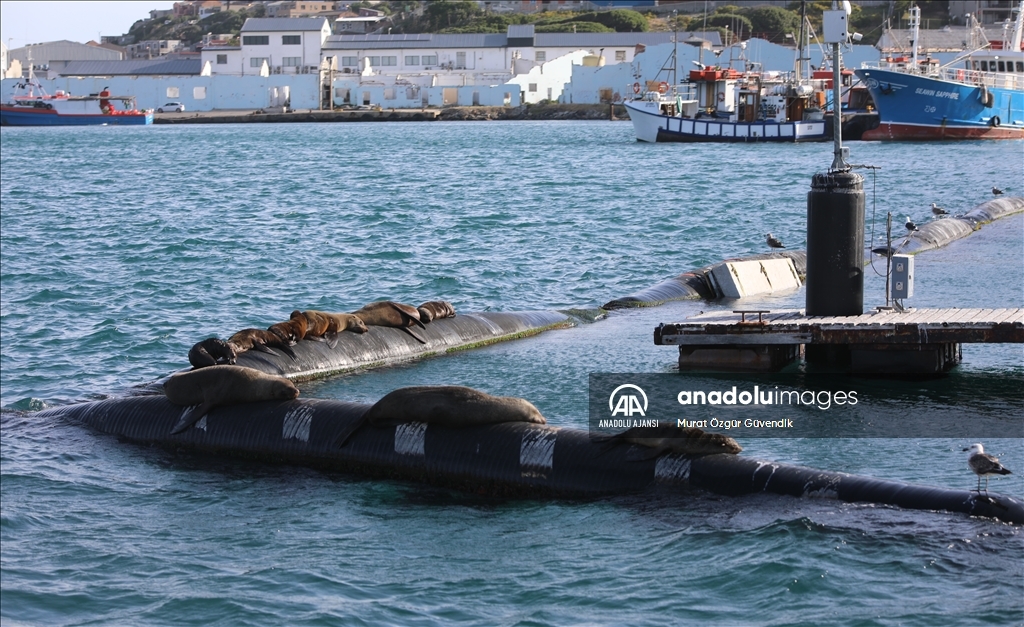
x,y
386,313
210,352
217,386
445,405
259,340
290,331
434,309
672,439
335,323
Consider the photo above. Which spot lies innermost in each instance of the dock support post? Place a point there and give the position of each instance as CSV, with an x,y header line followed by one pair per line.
x,y
835,246
835,254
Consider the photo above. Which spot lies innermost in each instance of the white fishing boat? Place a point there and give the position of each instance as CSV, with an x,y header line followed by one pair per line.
x,y
724,105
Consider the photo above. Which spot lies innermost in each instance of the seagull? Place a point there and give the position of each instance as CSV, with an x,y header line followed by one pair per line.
x,y
774,242
939,211
984,465
996,191
910,225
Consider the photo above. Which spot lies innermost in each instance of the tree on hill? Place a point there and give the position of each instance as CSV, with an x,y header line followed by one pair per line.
x,y
449,14
773,23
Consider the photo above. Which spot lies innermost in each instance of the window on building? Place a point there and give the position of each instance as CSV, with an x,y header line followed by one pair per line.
x,y
291,40
533,87
412,60
389,93
429,59
291,61
256,40
388,61
257,61
374,61
349,61
1020,66
199,93
172,92
222,59
460,60
620,55
541,56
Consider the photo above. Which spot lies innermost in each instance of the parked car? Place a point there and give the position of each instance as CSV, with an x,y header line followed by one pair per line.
x,y
171,106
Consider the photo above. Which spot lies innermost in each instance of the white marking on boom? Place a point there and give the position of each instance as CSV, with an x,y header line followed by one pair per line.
x,y
537,453
673,468
410,438
296,423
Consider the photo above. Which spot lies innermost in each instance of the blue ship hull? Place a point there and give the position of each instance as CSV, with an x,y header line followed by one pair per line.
x,y
25,116
912,106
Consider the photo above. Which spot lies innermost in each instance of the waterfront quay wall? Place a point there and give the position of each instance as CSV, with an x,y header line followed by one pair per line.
x,y
375,114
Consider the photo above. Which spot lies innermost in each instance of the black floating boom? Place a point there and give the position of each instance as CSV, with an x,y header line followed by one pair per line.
x,y
386,345
694,285
507,459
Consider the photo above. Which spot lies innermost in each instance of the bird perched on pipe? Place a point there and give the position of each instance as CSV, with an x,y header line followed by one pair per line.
x,y
984,465
996,191
910,225
774,242
939,211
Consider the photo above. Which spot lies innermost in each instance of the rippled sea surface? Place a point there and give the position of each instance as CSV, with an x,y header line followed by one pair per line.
x,y
121,247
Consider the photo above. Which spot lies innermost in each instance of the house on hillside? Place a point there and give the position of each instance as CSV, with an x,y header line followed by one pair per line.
x,y
298,8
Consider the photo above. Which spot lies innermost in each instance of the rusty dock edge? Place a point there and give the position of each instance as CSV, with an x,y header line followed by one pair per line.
x,y
919,341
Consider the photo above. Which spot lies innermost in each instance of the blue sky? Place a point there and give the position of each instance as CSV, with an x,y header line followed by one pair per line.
x,y
24,23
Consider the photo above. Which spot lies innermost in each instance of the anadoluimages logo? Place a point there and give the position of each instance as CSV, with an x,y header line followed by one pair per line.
x,y
622,404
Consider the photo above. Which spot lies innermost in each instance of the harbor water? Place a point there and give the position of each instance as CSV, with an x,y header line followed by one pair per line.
x,y
122,247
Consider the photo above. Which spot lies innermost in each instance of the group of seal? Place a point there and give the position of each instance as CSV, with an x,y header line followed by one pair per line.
x,y
223,385
444,405
672,439
319,326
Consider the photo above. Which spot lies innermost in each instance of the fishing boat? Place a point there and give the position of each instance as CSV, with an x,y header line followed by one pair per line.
x,y
979,95
724,105
30,105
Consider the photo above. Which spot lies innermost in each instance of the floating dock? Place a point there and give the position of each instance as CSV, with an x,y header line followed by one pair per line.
x,y
921,341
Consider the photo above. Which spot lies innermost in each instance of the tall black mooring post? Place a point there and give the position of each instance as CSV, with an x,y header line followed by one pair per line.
x,y
835,246
835,217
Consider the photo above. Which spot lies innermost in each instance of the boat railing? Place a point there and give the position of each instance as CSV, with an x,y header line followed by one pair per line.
x,y
980,78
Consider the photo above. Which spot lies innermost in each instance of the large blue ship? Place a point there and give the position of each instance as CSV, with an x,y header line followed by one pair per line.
x,y
978,96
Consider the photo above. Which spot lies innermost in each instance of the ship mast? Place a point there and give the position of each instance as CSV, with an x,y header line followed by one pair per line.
x,y
1018,28
915,32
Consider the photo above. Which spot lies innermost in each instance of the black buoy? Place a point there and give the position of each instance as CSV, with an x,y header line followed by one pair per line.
x,y
835,247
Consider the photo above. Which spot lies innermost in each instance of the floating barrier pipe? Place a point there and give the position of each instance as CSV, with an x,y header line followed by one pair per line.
x,y
383,346
695,284
515,459
939,232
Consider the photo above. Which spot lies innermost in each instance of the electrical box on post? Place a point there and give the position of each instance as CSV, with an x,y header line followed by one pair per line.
x,y
835,27
902,276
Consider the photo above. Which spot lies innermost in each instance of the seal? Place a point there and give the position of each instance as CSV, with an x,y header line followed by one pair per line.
x,y
346,322
290,331
447,406
324,325
210,352
217,386
316,324
672,439
434,309
259,340
386,313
